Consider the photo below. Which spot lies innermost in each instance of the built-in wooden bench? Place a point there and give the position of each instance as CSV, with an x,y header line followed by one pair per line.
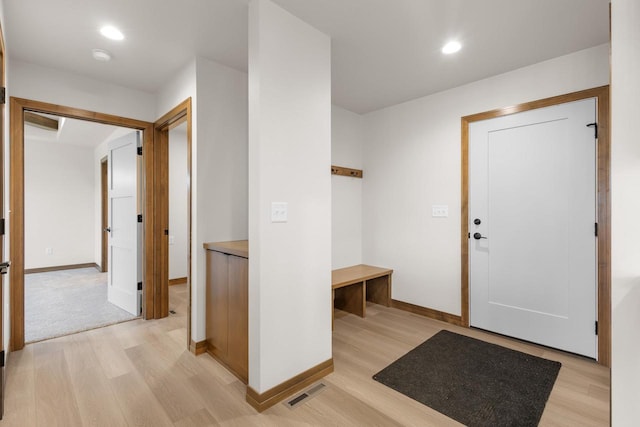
x,y
354,286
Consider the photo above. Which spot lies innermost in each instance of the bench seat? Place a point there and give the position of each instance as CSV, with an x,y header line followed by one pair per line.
x,y
354,286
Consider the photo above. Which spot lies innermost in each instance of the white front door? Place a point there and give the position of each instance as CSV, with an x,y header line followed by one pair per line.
x,y
532,215
123,224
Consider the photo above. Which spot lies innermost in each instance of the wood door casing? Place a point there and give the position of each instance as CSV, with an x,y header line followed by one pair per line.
x,y
18,106
603,205
104,195
161,196
2,278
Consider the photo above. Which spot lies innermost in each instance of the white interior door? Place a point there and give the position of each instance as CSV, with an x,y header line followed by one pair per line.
x,y
532,201
123,223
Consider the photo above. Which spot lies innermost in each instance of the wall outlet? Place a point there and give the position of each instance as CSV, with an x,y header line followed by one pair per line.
x,y
279,211
439,211
48,251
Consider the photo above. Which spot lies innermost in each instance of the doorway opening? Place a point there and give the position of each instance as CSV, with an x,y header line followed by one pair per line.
x,y
19,108
178,223
171,158
65,290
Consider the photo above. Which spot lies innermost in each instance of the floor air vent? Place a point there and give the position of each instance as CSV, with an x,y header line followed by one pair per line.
x,y
305,395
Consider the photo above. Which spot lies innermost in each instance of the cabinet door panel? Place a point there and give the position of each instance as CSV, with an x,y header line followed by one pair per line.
x,y
238,315
217,302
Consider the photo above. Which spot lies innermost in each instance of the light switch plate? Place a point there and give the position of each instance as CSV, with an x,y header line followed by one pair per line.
x,y
440,211
279,211
172,240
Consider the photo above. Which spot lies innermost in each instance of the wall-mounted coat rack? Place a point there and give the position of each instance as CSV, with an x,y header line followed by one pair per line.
x,y
339,170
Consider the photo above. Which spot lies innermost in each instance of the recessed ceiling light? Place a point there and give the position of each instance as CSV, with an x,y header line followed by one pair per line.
x,y
451,47
101,55
111,32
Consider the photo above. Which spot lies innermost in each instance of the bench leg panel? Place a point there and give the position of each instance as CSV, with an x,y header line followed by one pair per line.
x,y
379,290
351,299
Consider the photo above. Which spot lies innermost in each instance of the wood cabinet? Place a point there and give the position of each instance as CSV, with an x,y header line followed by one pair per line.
x,y
227,325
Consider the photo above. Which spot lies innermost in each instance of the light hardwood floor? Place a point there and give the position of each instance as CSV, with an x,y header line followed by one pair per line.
x,y
139,373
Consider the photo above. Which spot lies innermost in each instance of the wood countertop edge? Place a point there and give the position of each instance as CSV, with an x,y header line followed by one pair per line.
x,y
235,247
357,273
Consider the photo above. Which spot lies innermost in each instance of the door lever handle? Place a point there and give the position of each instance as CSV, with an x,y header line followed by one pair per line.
x,y
478,236
108,229
4,266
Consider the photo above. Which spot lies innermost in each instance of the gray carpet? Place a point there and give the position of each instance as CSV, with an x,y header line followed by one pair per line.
x,y
63,302
474,382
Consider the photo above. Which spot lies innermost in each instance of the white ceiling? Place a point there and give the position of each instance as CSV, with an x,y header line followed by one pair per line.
x,y
383,51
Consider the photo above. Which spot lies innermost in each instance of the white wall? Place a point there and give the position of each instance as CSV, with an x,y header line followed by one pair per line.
x,y
221,172
178,226
219,163
59,204
346,192
179,88
45,84
289,158
412,161
625,209
73,90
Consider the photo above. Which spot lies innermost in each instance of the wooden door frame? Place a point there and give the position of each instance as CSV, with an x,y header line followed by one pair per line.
x,y
18,106
104,214
603,205
2,213
160,183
